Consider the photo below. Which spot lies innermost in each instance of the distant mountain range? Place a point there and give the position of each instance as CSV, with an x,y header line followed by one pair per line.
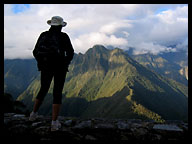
x,y
109,84
18,74
165,67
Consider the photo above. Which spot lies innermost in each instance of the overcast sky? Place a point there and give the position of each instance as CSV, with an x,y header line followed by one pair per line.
x,y
147,28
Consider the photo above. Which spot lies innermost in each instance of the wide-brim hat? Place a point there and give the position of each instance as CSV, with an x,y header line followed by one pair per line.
x,y
56,21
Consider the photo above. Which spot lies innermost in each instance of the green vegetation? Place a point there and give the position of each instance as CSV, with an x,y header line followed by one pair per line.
x,y
109,84
18,74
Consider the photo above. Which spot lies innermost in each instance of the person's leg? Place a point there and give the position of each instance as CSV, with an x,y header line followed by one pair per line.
x,y
46,78
37,105
59,79
55,111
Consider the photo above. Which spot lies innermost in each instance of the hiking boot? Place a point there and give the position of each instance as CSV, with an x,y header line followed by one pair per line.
x,y
55,125
33,116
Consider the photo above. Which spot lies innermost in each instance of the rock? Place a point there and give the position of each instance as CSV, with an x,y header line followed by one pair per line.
x,y
156,137
89,137
6,121
18,127
105,126
68,122
134,126
9,114
42,131
36,124
122,125
83,124
45,139
185,126
167,127
140,132
18,116
169,132
124,137
134,120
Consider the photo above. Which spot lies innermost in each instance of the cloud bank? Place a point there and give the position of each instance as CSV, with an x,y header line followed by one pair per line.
x,y
148,28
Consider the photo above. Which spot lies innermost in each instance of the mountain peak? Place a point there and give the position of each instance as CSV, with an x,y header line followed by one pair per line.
x,y
99,46
97,49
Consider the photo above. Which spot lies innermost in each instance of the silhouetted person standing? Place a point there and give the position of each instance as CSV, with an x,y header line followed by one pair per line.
x,y
53,52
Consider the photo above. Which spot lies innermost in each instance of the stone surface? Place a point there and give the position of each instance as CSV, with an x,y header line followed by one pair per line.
x,y
167,127
122,125
18,127
83,124
68,122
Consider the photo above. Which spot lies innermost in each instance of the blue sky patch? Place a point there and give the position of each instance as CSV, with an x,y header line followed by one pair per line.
x,y
160,10
18,8
165,8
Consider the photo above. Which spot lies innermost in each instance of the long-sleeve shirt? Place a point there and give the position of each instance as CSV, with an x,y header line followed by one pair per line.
x,y
62,42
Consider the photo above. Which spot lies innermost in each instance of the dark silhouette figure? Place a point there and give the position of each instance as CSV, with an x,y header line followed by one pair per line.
x,y
53,52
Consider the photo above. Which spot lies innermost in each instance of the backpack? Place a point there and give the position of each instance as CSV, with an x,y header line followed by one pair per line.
x,y
48,48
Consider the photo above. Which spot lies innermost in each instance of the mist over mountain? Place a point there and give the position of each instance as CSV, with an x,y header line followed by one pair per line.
x,y
110,83
172,63
166,67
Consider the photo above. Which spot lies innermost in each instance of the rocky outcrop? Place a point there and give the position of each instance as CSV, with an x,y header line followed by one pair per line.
x,y
17,127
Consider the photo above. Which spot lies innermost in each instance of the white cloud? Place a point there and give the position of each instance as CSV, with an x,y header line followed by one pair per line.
x,y
169,27
150,47
113,27
148,28
97,38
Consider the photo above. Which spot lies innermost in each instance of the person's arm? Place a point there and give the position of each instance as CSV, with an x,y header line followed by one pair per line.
x,y
35,51
69,50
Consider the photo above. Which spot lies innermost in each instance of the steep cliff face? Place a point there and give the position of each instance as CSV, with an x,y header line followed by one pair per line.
x,y
110,84
17,128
